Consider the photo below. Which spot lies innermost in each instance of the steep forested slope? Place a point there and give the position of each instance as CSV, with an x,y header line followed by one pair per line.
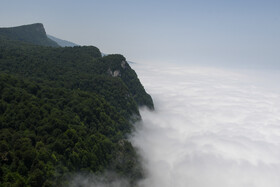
x,y
65,110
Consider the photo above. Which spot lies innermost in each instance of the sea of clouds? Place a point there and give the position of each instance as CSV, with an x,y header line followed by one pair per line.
x,y
211,127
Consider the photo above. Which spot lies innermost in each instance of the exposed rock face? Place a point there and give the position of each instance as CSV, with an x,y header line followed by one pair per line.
x,y
117,66
123,64
116,73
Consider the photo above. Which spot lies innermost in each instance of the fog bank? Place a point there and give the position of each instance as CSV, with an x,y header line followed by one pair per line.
x,y
212,127
107,179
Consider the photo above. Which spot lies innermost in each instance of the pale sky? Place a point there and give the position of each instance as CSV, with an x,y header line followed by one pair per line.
x,y
208,32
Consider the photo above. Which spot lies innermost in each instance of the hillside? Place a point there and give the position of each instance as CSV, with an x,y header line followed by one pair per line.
x,y
65,110
62,43
33,34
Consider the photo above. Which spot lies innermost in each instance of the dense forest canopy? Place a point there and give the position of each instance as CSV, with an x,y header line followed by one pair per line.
x,y
64,110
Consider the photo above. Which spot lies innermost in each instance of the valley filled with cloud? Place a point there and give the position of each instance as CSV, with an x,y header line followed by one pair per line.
x,y
211,127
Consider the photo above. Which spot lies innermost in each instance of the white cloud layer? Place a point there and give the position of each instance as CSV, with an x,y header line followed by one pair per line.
x,y
211,127
107,179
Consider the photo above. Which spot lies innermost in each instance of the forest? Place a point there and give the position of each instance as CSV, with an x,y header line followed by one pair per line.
x,y
65,110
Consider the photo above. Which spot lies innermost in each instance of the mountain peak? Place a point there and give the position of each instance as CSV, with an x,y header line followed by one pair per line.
x,y
32,33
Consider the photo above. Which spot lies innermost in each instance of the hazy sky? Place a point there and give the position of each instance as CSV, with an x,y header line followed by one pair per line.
x,y
196,31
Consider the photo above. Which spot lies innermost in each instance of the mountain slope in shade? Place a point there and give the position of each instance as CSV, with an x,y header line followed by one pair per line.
x,y
62,43
33,33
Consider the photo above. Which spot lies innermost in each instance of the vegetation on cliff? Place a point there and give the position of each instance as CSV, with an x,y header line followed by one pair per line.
x,y
65,110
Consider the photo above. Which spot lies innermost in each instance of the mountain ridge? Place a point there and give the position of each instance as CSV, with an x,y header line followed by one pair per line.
x,y
32,33
61,42
65,110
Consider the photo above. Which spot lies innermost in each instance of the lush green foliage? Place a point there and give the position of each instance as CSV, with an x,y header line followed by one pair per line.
x,y
77,68
49,132
65,110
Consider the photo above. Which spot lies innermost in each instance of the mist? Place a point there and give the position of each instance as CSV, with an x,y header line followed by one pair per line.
x,y
107,179
211,127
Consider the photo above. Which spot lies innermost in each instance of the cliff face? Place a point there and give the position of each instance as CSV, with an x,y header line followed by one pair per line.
x,y
64,110
34,34
118,67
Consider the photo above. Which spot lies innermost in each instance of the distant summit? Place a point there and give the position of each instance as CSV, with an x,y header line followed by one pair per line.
x,y
62,43
33,33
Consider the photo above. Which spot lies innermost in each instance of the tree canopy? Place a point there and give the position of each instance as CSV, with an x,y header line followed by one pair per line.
x,y
65,110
